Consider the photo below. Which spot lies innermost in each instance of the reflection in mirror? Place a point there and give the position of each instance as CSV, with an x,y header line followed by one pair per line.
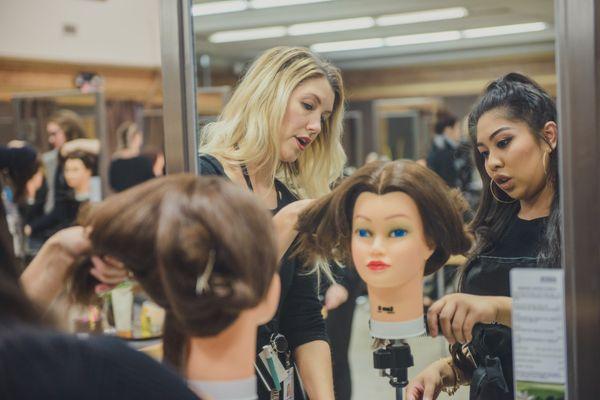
x,y
412,73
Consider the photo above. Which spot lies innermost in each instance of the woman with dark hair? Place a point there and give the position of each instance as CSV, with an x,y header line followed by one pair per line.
x,y
204,250
514,132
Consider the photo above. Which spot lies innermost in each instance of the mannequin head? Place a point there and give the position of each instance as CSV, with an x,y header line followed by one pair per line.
x,y
174,231
79,169
389,248
394,222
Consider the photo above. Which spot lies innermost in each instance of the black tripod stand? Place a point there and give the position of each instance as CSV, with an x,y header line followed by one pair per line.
x,y
393,361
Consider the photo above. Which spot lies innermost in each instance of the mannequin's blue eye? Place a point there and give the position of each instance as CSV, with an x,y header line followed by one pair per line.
x,y
398,233
362,232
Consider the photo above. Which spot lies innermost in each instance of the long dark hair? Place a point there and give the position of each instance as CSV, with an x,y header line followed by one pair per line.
x,y
165,231
519,98
325,227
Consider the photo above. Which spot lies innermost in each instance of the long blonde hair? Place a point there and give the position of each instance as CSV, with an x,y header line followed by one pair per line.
x,y
247,131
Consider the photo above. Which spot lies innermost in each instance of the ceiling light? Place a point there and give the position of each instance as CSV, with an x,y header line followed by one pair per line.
x,y
280,3
347,45
331,26
219,7
422,38
422,16
504,30
247,34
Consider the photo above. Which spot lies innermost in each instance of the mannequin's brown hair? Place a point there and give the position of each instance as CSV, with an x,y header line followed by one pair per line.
x,y
325,227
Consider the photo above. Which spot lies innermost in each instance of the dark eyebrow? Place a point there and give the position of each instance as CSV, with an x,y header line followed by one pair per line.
x,y
496,132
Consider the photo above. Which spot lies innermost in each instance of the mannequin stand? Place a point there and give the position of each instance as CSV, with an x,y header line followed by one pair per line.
x,y
393,362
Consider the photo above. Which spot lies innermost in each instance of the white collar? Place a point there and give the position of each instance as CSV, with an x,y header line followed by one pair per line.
x,y
242,389
397,330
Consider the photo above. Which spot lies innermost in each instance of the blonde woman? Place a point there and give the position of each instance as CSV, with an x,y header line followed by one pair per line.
x,y
279,136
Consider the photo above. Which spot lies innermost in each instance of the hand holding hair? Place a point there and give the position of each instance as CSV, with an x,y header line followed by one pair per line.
x,y
285,224
456,314
44,277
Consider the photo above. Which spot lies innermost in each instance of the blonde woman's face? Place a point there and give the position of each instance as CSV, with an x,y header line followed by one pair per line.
x,y
56,136
389,248
309,105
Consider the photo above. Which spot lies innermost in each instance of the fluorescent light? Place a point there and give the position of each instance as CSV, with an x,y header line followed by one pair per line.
x,y
247,34
347,45
422,38
219,7
422,16
280,3
331,26
504,30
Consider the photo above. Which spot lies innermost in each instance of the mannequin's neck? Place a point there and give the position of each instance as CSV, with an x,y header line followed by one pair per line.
x,y
397,304
226,357
83,188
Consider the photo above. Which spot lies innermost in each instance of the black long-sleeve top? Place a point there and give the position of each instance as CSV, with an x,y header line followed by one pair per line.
x,y
298,316
39,364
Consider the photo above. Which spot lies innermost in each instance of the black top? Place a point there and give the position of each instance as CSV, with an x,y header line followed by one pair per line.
x,y
38,364
299,316
124,173
488,274
61,216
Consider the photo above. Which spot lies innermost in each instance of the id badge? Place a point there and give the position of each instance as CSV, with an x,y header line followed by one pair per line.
x,y
288,385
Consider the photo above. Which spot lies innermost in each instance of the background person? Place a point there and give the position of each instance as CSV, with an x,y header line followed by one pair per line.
x,y
129,167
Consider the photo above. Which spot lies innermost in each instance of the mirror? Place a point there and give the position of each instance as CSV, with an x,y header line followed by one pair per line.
x,y
402,63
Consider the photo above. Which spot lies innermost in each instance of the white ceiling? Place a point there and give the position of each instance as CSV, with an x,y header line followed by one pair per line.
x,y
482,13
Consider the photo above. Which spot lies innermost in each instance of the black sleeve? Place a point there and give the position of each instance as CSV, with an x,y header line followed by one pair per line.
x,y
63,214
37,364
301,320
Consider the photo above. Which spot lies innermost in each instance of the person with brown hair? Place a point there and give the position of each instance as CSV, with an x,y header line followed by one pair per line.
x,y
205,251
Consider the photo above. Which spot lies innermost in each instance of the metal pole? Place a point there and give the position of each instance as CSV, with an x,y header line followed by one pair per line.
x,y
577,60
179,86
101,133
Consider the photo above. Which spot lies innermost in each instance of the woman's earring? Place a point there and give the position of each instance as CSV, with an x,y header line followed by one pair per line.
x,y
545,158
496,197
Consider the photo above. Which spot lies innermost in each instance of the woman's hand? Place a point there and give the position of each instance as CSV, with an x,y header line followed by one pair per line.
x,y
429,383
285,224
456,314
335,296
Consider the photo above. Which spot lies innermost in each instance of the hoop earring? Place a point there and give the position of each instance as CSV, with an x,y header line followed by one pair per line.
x,y
496,197
545,158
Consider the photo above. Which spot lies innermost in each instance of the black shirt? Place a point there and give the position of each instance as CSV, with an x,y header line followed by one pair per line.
x,y
124,173
488,274
39,364
298,316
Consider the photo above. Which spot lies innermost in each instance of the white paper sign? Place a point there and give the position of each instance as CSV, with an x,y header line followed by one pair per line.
x,y
538,323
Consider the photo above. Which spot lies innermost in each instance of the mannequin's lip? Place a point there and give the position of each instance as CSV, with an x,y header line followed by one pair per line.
x,y
377,265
